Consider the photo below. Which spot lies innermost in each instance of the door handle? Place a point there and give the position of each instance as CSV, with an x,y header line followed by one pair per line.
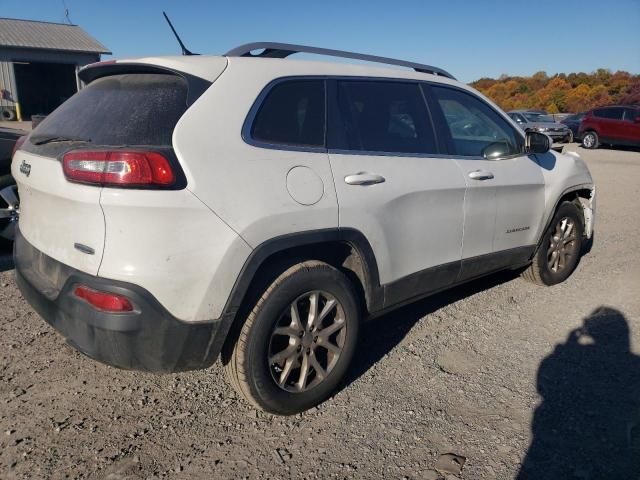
x,y
480,175
363,178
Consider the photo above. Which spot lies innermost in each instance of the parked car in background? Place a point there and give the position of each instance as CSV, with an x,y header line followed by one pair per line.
x,y
8,190
329,194
533,121
612,125
573,123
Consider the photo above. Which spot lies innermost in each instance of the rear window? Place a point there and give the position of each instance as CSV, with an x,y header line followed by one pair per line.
x,y
127,109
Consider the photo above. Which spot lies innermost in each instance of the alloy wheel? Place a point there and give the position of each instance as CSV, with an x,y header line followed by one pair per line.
x,y
588,140
307,341
9,211
562,245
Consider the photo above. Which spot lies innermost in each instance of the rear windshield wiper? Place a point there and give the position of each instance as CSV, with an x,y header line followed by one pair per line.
x,y
41,140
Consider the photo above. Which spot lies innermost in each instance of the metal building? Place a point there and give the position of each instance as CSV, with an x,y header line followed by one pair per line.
x,y
39,63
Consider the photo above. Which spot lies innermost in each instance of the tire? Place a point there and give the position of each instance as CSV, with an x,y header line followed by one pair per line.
x,y
266,367
547,269
7,225
590,140
7,115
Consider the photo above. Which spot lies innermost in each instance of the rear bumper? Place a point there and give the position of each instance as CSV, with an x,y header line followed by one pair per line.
x,y
149,338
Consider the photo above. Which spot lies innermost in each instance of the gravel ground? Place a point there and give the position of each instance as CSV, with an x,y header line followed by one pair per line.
x,y
490,371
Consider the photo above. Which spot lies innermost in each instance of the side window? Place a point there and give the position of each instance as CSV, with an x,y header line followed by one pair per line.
x,y
515,117
616,113
383,116
473,124
610,113
293,113
630,114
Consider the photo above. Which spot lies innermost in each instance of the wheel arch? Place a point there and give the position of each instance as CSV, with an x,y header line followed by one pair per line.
x,y
583,197
346,249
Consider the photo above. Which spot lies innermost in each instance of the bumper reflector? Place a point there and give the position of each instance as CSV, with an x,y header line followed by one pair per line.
x,y
103,301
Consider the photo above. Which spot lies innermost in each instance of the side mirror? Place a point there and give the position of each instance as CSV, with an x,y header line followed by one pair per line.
x,y
636,120
536,142
497,150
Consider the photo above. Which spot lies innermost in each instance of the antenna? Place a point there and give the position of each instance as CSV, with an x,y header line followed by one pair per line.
x,y
66,12
185,51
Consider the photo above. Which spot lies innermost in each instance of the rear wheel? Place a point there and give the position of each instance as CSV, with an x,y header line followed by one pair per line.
x,y
298,341
560,249
590,140
9,205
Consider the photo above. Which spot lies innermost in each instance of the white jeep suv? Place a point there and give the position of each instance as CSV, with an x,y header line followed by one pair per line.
x,y
257,208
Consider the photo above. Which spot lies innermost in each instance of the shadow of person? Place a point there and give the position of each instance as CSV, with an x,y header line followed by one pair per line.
x,y
588,425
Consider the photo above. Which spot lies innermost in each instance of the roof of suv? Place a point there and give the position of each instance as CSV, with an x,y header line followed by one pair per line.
x,y
617,106
274,58
283,50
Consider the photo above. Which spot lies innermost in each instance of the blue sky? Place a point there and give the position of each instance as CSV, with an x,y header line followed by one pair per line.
x,y
470,39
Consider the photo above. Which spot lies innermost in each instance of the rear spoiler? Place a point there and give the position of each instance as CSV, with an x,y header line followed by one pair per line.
x,y
196,85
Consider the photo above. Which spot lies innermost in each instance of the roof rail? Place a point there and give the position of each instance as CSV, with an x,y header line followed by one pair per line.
x,y
283,50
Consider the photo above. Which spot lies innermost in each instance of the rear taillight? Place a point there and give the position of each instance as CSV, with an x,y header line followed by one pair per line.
x,y
118,168
18,144
104,301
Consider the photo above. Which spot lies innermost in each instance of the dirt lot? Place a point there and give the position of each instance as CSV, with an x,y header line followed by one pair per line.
x,y
456,373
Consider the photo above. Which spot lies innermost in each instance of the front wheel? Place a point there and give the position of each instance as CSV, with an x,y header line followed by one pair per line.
x,y
298,341
590,140
560,249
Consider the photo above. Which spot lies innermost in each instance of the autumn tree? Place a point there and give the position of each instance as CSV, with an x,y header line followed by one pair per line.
x,y
573,92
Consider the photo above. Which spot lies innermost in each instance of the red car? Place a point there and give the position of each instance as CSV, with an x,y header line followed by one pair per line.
x,y
613,125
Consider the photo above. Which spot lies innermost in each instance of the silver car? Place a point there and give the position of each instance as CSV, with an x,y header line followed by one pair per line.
x,y
531,121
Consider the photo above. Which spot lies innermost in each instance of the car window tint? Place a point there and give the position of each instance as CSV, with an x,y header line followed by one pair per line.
x,y
630,114
127,109
610,113
293,113
473,124
383,116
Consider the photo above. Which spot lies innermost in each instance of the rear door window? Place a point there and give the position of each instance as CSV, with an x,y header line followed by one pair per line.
x,y
118,110
293,113
382,116
630,114
472,124
610,113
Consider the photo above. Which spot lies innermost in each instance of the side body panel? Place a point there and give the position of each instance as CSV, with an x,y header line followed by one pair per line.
x,y
515,199
245,185
630,127
171,244
413,219
563,173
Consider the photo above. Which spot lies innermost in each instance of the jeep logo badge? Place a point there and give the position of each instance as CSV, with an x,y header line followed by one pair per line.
x,y
25,168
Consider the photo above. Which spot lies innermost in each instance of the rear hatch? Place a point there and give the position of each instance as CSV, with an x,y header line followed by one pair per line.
x,y
116,112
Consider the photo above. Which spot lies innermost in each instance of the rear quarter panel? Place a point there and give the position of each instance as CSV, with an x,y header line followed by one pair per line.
x,y
171,244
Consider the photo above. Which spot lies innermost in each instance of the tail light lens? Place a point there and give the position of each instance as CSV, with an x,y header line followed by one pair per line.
x,y
104,301
18,144
118,168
